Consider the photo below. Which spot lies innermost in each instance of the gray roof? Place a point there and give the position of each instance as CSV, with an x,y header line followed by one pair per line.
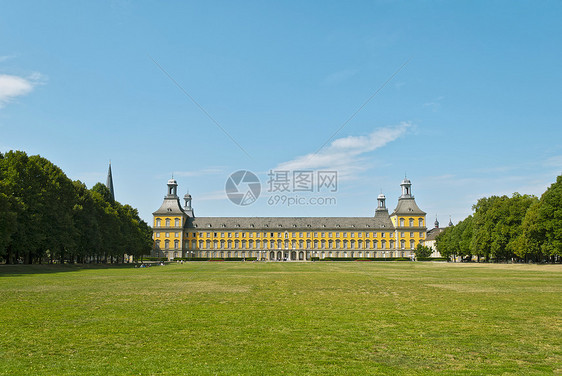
x,y
290,223
407,206
433,233
170,206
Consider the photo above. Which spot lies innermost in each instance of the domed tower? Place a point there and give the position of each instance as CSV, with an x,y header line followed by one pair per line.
x,y
169,222
408,220
187,207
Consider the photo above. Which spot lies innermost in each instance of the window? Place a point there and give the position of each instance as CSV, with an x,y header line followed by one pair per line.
x,y
167,244
412,246
402,244
167,222
383,234
420,222
177,234
167,234
177,223
401,222
158,222
176,244
411,222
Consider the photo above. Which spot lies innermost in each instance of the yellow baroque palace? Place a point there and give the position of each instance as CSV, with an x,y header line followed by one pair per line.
x,y
178,233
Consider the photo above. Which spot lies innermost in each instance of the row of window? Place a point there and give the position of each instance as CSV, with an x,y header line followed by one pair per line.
x,y
301,256
330,244
168,222
411,222
288,235
236,234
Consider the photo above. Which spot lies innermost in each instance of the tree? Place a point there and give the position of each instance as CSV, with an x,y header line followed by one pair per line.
x,y
422,251
550,218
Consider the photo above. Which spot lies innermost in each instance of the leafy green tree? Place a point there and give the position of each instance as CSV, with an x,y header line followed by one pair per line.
x,y
550,218
422,251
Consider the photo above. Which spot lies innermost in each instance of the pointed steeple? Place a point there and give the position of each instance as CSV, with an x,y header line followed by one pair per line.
x,y
109,183
450,222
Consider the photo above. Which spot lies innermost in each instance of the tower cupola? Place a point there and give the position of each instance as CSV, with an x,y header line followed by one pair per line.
x,y
381,202
406,188
172,188
436,222
187,198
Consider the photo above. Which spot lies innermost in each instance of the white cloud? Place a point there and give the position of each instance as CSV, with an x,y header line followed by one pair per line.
x,y
212,196
16,86
344,154
205,171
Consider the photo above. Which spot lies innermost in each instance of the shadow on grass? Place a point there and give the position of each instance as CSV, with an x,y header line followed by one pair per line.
x,y
19,269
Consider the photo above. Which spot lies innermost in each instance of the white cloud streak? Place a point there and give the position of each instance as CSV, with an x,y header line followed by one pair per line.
x,y
344,154
12,86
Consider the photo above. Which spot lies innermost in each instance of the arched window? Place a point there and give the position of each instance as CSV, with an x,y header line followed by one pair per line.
x,y
392,244
412,244
411,222
345,244
301,244
229,244
215,244
401,222
308,244
201,244
176,244
193,244
323,244
177,222
167,244
158,222
243,244
316,244
383,244
330,244
338,242
420,222
208,244
167,222
352,244
402,244
294,244
236,244
158,244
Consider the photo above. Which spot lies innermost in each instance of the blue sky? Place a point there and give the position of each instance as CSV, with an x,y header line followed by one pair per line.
x,y
473,108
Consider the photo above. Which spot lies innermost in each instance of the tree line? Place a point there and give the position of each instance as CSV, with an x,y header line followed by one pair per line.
x,y
502,228
45,216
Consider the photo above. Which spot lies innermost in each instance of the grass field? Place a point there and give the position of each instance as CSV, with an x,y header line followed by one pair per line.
x,y
340,318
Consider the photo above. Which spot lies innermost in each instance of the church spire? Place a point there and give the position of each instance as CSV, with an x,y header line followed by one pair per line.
x,y
109,183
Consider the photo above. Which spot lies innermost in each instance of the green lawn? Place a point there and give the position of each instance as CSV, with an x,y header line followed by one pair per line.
x,y
339,318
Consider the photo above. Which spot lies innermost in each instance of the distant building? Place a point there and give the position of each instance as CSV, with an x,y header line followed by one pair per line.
x,y
179,233
432,236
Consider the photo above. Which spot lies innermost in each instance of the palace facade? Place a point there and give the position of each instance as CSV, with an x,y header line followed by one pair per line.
x,y
179,233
